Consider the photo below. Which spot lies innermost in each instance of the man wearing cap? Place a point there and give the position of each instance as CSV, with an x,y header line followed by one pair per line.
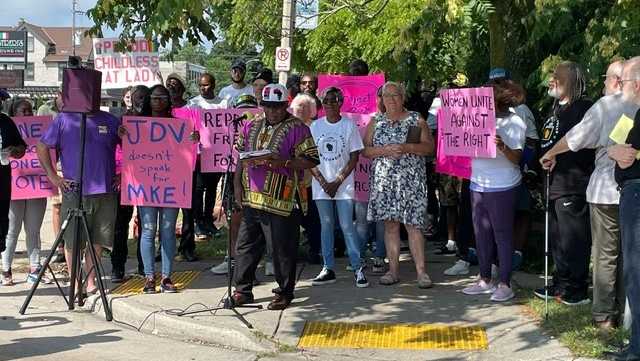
x,y
238,86
271,193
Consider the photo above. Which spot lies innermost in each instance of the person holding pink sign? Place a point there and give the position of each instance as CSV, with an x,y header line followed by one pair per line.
x,y
11,145
494,186
398,143
29,212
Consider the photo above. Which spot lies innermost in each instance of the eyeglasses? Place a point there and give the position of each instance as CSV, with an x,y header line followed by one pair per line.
x,y
621,81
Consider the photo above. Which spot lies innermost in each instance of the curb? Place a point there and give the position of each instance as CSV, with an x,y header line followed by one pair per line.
x,y
158,323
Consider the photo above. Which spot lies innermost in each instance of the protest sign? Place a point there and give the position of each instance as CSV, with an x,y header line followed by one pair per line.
x,y
359,91
363,168
468,128
138,65
28,178
448,164
157,158
217,136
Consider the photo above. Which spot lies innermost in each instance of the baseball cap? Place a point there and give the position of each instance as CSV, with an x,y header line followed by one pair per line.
x,y
239,63
177,77
274,94
245,101
264,74
499,73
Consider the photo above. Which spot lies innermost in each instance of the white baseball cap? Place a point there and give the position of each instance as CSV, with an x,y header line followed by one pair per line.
x,y
275,94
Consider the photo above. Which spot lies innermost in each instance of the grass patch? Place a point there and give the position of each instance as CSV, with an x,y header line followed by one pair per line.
x,y
573,327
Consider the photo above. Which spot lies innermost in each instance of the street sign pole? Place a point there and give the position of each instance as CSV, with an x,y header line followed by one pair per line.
x,y
286,41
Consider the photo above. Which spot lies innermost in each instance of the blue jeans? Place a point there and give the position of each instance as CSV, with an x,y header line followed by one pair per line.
x,y
364,227
149,218
326,210
630,234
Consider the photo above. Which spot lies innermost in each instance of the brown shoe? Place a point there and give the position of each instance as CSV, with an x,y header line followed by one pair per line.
x,y
280,302
239,299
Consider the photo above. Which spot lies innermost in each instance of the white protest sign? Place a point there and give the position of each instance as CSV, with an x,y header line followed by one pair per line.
x,y
139,66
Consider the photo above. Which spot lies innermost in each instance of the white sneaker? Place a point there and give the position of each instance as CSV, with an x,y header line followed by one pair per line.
x,y
461,267
221,269
502,293
268,269
480,288
361,280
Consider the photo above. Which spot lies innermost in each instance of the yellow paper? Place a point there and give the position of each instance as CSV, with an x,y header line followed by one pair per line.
x,y
621,131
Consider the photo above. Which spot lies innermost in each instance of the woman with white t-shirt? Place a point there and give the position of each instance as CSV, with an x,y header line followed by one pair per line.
x,y
494,186
339,145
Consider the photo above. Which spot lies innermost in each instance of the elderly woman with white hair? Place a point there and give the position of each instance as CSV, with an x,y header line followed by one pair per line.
x,y
398,143
303,107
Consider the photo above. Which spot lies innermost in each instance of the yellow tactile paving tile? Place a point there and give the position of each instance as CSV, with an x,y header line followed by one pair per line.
x,y
392,336
135,285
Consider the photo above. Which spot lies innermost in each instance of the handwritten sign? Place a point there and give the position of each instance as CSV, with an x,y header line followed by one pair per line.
x,y
139,66
360,92
469,126
28,178
218,135
363,168
157,158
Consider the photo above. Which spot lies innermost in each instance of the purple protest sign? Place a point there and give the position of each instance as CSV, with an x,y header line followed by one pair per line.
x,y
217,136
28,178
360,92
468,128
157,158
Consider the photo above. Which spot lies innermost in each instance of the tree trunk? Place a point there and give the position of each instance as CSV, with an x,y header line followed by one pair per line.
x,y
497,36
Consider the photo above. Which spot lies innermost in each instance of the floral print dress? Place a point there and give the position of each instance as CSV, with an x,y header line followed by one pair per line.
x,y
398,187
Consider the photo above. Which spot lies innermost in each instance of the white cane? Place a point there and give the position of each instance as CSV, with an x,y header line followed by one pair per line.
x,y
546,247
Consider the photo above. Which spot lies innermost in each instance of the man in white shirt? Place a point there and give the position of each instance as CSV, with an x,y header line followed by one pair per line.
x,y
238,86
207,98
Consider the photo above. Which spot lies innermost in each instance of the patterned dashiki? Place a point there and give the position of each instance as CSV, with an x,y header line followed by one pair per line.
x,y
276,190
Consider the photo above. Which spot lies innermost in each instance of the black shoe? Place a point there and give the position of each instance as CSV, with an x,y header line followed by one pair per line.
x,y
149,285
325,277
280,302
574,299
444,250
239,299
190,256
117,276
553,292
59,258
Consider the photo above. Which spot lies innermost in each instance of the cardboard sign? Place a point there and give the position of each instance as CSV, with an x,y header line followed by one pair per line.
x,y
28,178
157,158
469,122
359,91
446,164
363,168
139,66
217,136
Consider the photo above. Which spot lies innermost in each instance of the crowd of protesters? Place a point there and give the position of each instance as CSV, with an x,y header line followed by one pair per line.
x,y
307,182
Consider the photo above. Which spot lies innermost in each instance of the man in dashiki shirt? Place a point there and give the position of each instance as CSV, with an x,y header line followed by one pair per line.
x,y
271,192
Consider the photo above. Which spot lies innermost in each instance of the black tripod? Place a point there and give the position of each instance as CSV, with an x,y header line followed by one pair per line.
x,y
228,197
80,217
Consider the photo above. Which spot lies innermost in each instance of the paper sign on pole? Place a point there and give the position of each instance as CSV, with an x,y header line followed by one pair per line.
x,y
157,158
307,14
360,92
218,135
283,59
139,66
28,179
468,127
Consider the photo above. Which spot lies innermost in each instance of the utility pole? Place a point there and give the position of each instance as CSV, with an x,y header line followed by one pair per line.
x,y
286,41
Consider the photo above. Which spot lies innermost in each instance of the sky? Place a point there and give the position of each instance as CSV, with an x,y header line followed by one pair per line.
x,y
47,13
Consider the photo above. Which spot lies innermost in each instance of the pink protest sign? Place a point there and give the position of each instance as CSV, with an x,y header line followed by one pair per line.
x,y
217,136
359,91
157,154
28,178
363,168
451,165
469,126
193,119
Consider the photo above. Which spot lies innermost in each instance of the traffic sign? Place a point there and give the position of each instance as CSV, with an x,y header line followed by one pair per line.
x,y
283,59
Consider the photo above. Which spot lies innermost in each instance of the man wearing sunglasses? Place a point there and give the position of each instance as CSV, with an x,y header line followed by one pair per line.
x,y
272,195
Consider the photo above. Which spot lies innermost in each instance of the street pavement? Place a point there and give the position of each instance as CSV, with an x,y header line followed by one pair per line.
x,y
146,327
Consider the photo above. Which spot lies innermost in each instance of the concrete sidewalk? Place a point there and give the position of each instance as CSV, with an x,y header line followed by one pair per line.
x,y
512,334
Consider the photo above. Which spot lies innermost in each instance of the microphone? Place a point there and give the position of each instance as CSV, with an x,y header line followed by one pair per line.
x,y
240,120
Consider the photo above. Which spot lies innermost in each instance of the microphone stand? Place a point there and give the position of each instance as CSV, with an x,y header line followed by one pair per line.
x,y
228,197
